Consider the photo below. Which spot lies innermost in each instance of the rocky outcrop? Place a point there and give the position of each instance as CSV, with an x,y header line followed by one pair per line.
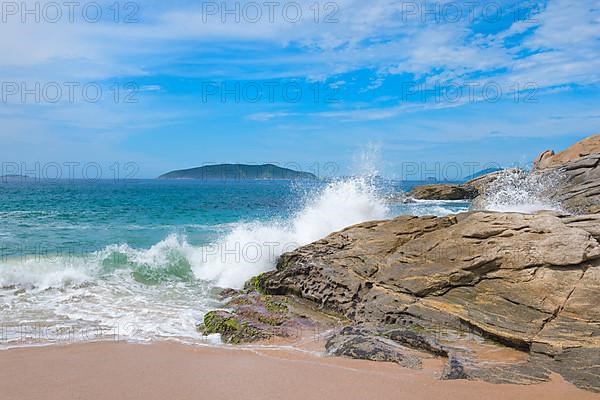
x,y
481,183
362,344
583,148
469,190
443,192
530,282
413,288
571,178
543,159
249,316
579,169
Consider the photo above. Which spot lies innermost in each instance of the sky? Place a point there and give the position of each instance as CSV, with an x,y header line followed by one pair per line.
x,y
417,89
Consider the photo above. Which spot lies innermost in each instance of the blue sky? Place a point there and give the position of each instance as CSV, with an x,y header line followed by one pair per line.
x,y
472,83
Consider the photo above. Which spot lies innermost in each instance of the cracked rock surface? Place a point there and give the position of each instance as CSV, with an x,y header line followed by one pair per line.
x,y
579,166
529,282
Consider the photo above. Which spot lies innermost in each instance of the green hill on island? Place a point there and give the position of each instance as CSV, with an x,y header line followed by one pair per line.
x,y
238,172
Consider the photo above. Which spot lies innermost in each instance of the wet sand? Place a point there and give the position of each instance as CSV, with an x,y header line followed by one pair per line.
x,y
173,371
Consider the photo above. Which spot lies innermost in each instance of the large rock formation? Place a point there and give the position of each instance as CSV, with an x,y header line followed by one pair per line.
x,y
411,287
531,282
469,190
571,177
579,168
583,148
579,191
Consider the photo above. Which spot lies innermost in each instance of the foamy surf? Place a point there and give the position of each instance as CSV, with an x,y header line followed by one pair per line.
x,y
521,192
118,293
162,292
439,208
250,249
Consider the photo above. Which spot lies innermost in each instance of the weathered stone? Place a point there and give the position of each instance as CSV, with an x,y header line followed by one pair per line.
x,y
250,316
580,191
231,328
581,149
543,159
454,370
579,166
419,341
528,281
362,344
443,192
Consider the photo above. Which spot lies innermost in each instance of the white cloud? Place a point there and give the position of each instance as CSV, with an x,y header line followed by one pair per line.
x,y
268,116
562,48
150,88
369,35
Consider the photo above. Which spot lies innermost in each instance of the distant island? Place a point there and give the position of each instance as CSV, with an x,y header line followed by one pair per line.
x,y
224,172
13,177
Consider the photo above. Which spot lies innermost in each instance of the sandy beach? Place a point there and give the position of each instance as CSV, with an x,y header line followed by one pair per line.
x,y
174,371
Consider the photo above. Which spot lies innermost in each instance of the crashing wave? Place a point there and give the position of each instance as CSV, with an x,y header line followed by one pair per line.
x,y
252,248
515,190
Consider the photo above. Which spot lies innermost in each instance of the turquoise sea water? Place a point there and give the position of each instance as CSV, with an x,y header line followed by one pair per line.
x,y
143,258
139,213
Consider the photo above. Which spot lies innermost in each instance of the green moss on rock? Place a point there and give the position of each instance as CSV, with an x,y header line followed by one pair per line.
x,y
269,320
231,329
220,322
275,306
256,283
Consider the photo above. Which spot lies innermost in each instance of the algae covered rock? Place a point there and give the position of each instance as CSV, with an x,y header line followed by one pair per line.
x,y
251,316
231,328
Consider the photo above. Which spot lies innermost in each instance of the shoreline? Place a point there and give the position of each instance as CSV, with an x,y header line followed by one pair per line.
x,y
162,370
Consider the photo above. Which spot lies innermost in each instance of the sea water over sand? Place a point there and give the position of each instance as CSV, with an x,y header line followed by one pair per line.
x,y
142,260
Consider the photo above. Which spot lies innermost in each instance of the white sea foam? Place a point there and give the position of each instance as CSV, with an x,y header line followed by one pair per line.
x,y
42,274
119,293
517,191
163,291
250,249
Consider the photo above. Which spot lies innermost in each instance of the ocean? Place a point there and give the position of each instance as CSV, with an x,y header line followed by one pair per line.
x,y
143,260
